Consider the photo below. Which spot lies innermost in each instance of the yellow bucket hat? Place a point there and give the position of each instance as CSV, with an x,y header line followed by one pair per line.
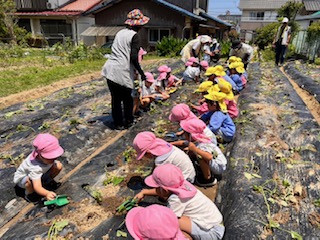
x,y
214,88
204,87
238,59
210,71
218,97
226,88
219,71
232,59
232,65
240,69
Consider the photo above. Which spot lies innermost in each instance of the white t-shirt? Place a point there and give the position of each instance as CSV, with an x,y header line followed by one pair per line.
x,y
191,72
210,135
180,159
218,164
145,91
33,169
200,209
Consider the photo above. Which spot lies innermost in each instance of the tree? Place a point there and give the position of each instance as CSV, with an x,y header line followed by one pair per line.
x,y
8,22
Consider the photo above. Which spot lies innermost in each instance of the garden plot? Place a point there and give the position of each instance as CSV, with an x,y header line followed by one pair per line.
x,y
307,76
271,188
78,115
271,182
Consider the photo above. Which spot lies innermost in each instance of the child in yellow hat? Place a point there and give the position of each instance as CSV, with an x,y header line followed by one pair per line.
x,y
218,119
203,90
226,87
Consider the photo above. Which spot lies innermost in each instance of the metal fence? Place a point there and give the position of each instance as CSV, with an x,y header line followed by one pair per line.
x,y
303,47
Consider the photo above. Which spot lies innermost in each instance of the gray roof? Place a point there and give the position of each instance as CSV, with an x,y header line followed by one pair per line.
x,y
262,4
205,15
312,5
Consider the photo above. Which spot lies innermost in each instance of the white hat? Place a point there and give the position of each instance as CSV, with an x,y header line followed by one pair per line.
x,y
205,39
285,20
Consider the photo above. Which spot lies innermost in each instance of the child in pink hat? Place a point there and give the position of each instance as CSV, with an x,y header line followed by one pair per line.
x,y
191,73
147,144
198,216
207,155
36,173
148,92
153,222
168,79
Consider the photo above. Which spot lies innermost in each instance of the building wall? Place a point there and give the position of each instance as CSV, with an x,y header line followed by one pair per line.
x,y
160,17
185,4
82,24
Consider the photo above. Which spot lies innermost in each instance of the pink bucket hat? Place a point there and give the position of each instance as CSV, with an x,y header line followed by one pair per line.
x,y
204,64
153,222
141,53
47,146
193,60
162,76
181,112
147,141
188,63
136,18
170,177
149,77
164,68
195,127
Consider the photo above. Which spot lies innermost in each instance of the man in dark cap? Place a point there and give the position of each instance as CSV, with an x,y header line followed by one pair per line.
x,y
241,50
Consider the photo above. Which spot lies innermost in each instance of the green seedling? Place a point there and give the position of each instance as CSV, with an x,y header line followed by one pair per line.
x,y
55,228
44,126
128,154
23,128
317,203
127,205
11,114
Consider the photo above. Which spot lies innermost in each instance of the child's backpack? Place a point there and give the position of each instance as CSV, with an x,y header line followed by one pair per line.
x,y
244,81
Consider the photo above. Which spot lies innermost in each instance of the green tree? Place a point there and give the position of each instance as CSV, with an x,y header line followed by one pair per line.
x,y
7,19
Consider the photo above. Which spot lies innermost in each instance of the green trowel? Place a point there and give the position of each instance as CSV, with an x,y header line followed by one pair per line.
x,y
59,201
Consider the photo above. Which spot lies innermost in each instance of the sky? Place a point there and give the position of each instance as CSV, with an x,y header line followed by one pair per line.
x,y
217,7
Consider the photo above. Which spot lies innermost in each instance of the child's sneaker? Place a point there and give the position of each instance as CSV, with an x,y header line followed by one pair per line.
x,y
33,198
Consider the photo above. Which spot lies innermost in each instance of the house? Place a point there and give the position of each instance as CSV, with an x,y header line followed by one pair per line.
x,y
256,14
56,20
181,19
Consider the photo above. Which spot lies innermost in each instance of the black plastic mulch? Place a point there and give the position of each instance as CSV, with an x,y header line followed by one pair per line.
x,y
277,138
303,80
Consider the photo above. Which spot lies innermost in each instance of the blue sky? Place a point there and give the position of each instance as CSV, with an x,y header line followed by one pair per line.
x,y
217,7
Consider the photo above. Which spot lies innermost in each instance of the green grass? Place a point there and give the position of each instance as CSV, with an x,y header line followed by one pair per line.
x,y
37,74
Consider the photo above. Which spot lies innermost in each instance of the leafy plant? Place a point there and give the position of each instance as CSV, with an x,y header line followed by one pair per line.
x,y
115,180
225,48
265,35
55,228
170,46
128,154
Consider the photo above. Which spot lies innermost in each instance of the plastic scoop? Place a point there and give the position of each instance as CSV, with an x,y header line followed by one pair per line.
x,y
60,200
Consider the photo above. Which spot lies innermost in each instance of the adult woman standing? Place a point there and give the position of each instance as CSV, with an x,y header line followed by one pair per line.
x,y
119,68
194,47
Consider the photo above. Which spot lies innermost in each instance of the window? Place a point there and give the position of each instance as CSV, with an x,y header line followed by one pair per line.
x,y
256,15
156,35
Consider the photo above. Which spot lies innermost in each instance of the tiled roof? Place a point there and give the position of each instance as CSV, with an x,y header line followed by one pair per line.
x,y
205,15
161,2
80,5
262,4
48,13
179,10
312,5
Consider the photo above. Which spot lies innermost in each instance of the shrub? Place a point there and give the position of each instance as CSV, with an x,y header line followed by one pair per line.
x,y
265,35
225,48
268,54
170,46
317,61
